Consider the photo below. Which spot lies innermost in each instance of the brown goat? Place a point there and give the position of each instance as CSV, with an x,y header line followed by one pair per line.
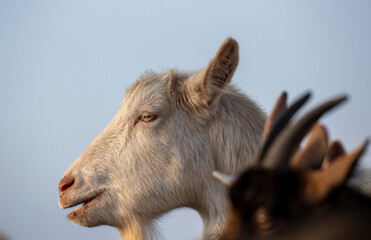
x,y
286,195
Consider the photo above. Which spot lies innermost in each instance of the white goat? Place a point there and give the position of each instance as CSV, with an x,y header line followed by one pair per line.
x,y
172,130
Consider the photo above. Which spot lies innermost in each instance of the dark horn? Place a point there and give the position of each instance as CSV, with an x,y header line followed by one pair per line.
x,y
279,154
279,108
281,124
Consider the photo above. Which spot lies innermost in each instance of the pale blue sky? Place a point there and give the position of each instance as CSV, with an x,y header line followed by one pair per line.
x,y
65,65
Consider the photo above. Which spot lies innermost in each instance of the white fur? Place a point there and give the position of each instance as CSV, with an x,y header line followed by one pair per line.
x,y
149,168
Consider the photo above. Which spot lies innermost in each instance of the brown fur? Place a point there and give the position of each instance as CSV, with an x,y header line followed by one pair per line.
x,y
288,199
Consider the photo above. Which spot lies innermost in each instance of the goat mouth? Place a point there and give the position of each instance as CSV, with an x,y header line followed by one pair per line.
x,y
86,203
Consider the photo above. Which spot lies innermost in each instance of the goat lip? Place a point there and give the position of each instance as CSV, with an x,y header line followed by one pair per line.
x,y
86,204
83,200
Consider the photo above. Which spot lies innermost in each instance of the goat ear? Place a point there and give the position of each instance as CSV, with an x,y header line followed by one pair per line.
x,y
320,183
335,149
313,154
203,88
224,178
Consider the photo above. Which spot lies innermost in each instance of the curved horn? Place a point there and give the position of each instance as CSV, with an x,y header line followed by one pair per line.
x,y
288,141
278,110
281,122
314,152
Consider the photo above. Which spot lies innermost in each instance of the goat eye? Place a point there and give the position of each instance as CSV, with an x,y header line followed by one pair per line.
x,y
263,220
147,117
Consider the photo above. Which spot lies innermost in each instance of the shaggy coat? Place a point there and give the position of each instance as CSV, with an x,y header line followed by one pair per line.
x,y
172,130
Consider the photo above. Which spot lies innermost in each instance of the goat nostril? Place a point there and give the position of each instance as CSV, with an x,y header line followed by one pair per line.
x,y
66,183
66,186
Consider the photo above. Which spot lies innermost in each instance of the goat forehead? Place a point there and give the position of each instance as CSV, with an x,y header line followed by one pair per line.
x,y
149,93
153,92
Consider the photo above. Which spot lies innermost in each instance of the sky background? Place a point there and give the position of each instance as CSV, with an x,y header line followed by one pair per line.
x,y
65,66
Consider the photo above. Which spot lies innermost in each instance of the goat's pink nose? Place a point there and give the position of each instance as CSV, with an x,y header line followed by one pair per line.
x,y
65,184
